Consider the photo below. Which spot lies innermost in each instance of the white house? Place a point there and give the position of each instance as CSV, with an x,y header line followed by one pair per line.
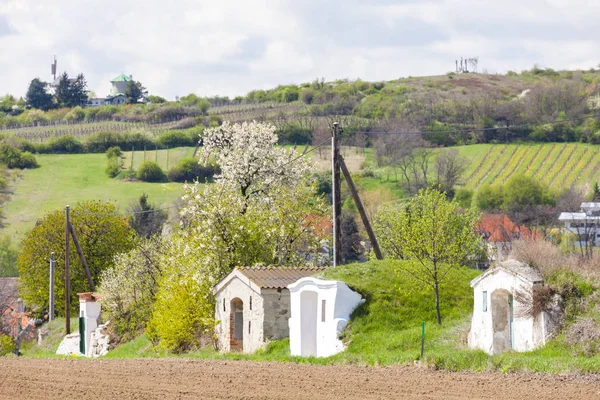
x,y
253,306
320,310
584,224
117,92
500,323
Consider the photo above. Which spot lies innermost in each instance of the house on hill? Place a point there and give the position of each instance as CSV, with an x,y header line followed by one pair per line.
x,y
504,315
13,317
117,92
253,306
499,232
583,224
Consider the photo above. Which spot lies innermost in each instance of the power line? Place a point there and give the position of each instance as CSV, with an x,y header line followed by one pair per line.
x,y
558,121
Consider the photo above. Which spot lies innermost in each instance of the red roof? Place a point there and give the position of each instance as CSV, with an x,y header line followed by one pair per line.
x,y
499,228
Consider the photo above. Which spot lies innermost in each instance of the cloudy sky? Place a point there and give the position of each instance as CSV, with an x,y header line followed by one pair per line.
x,y
230,47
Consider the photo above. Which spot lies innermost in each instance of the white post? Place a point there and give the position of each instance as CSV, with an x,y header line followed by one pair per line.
x,y
51,300
89,310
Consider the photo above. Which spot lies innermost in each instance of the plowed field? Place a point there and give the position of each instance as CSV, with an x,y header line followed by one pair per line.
x,y
192,379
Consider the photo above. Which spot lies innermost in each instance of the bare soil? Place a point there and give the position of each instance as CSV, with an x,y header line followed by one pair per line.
x,y
166,379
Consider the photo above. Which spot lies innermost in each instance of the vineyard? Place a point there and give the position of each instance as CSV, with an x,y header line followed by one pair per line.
x,y
42,133
559,165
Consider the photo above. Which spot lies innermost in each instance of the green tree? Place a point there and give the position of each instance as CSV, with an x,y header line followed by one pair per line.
x,y
134,92
102,234
71,92
145,219
431,236
522,192
38,96
489,197
596,193
129,288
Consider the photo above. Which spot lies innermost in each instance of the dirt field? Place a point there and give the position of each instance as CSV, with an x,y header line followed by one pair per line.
x,y
191,379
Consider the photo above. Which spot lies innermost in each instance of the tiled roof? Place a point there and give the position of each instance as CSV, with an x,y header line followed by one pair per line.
x,y
277,277
499,228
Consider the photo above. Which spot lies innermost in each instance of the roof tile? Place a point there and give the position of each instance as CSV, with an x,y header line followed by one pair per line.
x,y
277,277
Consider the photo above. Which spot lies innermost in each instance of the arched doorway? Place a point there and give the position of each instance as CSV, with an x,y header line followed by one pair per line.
x,y
502,318
308,320
236,325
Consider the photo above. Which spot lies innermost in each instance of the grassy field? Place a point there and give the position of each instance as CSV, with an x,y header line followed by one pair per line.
x,y
66,179
165,158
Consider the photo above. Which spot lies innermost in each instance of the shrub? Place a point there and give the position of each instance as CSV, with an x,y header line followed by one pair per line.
x,y
150,171
75,115
15,158
102,141
114,151
66,144
7,345
176,139
188,170
27,161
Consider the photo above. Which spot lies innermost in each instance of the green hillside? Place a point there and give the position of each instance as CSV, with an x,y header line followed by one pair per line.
x,y
559,165
65,179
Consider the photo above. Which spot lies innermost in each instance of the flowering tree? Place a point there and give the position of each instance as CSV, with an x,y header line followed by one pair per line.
x,y
258,211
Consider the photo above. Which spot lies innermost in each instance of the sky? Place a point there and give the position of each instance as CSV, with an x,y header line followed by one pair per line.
x,y
229,47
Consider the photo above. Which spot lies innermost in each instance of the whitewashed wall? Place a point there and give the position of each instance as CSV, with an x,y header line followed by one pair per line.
x,y
315,332
528,332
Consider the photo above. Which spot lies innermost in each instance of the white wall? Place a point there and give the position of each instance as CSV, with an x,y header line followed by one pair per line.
x,y
253,337
527,332
315,332
90,311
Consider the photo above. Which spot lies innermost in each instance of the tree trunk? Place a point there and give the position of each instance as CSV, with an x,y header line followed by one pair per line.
x,y
436,290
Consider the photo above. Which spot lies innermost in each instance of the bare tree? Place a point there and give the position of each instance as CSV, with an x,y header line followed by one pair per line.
x,y
450,167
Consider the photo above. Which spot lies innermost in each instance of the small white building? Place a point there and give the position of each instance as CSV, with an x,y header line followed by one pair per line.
x,y
79,343
500,323
584,224
253,306
320,310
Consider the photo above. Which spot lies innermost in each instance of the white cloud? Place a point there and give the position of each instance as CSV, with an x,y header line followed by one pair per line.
x,y
233,46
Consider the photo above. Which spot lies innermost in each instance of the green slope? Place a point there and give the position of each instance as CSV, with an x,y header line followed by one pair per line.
x,y
68,178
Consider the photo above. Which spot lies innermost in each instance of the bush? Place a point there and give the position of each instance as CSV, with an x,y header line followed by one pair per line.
x,y
150,171
176,139
102,141
15,158
66,144
114,151
75,115
7,345
188,170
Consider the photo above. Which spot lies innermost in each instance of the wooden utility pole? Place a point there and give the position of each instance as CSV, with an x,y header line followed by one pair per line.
x,y
82,258
67,276
361,210
336,195
51,299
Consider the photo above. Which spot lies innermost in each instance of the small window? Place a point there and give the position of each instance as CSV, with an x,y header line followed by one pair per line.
x,y
323,308
250,303
224,305
249,327
484,300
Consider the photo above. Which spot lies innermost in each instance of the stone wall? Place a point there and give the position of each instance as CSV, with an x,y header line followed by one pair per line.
x,y
276,313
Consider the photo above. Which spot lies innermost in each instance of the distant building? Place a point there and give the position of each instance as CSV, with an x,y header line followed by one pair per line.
x,y
583,224
499,232
117,93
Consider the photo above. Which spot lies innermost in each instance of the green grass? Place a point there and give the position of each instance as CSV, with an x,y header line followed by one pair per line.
x,y
65,179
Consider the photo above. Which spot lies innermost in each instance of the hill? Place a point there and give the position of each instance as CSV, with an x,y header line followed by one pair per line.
x,y
64,179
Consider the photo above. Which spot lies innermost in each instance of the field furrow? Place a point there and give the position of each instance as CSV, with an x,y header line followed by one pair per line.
x,y
565,164
583,169
480,163
549,169
537,168
523,152
575,164
478,179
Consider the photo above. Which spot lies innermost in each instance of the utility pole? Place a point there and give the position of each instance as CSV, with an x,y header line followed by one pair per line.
x,y
361,210
51,300
67,275
336,194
